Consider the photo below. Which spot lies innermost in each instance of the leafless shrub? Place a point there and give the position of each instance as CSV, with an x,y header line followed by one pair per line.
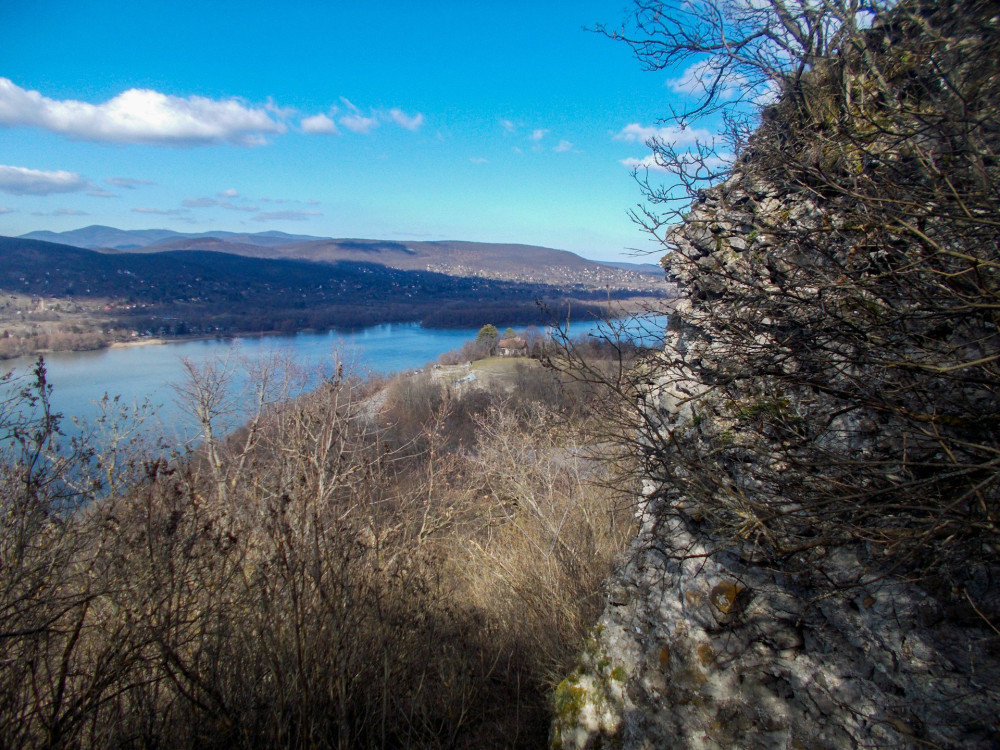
x,y
832,372
307,581
538,561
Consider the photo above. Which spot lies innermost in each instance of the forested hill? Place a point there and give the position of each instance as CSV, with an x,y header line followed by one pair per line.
x,y
198,291
511,262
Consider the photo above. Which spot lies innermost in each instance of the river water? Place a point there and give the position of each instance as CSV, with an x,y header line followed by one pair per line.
x,y
137,374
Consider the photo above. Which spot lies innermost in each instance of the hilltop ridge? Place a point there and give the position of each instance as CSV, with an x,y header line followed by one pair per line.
x,y
507,261
63,297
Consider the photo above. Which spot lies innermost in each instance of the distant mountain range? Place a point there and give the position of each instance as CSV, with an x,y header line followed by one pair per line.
x,y
511,262
97,237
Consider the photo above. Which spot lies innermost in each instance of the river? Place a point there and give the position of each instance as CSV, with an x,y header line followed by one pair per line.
x,y
148,373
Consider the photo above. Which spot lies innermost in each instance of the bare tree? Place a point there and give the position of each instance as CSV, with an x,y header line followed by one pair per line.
x,y
63,655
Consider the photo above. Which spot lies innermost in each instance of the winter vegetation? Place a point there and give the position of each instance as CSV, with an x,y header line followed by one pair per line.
x,y
409,562
777,529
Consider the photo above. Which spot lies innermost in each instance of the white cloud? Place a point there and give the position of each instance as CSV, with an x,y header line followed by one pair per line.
x,y
636,133
286,215
537,135
700,77
563,147
141,116
310,202
647,162
230,193
318,124
404,120
24,181
509,126
352,118
102,194
6,210
714,163
129,183
478,160
357,123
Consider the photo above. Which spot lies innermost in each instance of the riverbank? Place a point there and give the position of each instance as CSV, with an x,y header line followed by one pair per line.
x,y
13,353
138,342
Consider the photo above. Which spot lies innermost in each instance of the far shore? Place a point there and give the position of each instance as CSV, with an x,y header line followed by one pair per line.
x,y
161,340
136,342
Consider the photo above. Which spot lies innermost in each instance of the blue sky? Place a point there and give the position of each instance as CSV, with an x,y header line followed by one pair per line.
x,y
488,121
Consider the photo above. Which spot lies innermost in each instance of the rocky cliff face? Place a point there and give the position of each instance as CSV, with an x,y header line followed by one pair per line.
x,y
700,650
717,636
818,564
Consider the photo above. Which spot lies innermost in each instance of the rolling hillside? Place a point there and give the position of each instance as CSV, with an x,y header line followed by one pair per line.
x,y
51,290
509,262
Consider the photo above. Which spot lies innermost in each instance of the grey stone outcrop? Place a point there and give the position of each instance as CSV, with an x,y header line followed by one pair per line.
x,y
718,651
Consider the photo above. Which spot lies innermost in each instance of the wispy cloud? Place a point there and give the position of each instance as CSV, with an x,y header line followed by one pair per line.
x,y
141,116
102,194
216,203
286,215
647,162
200,202
636,133
714,163
24,181
353,118
310,202
563,146
686,142
129,183
701,76
404,120
61,212
478,160
355,121
508,126
6,210
537,135
159,211
319,124
229,193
